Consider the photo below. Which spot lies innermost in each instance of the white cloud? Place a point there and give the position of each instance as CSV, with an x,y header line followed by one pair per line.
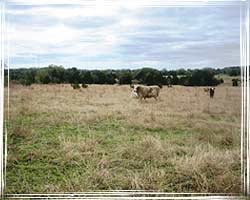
x,y
119,35
43,2
67,11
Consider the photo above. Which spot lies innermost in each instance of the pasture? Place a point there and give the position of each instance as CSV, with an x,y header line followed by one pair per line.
x,y
99,138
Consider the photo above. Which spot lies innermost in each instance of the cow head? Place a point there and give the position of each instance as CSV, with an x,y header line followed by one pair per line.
x,y
206,89
212,88
135,89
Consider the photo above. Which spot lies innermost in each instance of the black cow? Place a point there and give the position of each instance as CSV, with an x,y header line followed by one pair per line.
x,y
211,92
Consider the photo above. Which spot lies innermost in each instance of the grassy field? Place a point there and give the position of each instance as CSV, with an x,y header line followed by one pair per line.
x,y
99,138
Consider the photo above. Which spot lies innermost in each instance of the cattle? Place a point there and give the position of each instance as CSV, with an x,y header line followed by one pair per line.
x,y
211,92
143,92
206,89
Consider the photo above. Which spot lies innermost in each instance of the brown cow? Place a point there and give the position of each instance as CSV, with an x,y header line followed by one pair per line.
x,y
210,90
206,89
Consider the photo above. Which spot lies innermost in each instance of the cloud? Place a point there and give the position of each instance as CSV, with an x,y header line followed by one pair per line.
x,y
118,36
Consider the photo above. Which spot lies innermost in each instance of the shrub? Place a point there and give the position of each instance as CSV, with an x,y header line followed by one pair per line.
x,y
235,82
84,85
75,86
26,82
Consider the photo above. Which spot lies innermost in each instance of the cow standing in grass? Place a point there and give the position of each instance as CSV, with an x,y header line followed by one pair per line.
x,y
206,89
211,92
143,92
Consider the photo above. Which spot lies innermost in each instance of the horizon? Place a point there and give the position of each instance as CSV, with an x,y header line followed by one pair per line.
x,y
121,37
106,69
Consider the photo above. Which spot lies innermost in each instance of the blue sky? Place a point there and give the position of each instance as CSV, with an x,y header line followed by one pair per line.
x,y
119,36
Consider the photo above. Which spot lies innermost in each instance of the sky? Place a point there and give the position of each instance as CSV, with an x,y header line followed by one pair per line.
x,y
120,36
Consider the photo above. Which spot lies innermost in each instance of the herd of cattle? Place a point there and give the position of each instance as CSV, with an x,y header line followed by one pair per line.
x,y
143,92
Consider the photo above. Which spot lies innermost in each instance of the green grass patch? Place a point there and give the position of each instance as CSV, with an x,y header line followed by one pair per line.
x,y
105,154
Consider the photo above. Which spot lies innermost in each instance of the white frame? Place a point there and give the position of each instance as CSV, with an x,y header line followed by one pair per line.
x,y
135,194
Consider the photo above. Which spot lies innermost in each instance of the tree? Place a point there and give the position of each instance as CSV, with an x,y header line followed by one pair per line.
x,y
72,75
181,72
42,76
110,77
203,77
184,80
125,77
56,74
149,76
175,80
99,77
86,77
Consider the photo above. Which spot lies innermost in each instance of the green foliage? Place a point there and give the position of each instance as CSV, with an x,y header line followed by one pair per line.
x,y
203,77
84,85
99,77
42,76
235,82
184,80
75,86
56,74
231,71
86,77
26,82
29,77
110,76
146,76
125,77
72,75
182,72
175,80
149,76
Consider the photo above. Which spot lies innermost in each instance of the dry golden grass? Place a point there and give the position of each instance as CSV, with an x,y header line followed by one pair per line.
x,y
101,138
176,105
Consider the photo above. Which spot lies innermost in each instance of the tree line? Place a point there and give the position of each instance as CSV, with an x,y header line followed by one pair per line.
x,y
148,76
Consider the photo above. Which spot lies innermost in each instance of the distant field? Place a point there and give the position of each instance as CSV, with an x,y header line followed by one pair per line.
x,y
99,138
227,79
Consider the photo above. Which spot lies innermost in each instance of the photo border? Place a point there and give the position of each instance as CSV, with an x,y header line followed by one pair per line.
x,y
143,194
